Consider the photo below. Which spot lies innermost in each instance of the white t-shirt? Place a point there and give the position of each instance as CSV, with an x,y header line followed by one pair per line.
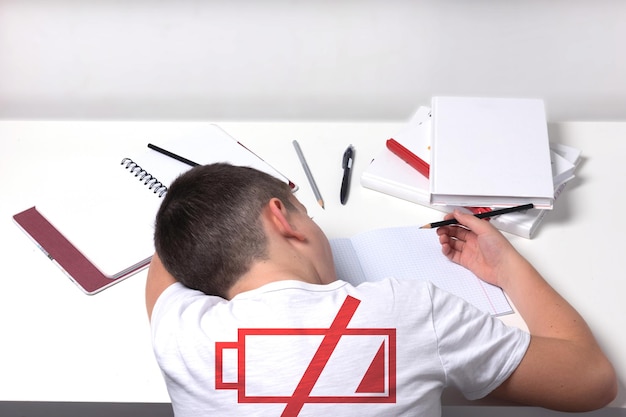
x,y
290,348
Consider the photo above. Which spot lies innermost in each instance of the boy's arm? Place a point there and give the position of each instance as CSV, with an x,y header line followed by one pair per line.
x,y
158,280
564,368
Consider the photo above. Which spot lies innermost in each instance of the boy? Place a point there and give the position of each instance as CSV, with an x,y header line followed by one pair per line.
x,y
248,317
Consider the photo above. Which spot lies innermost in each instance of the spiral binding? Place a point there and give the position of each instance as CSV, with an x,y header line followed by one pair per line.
x,y
144,176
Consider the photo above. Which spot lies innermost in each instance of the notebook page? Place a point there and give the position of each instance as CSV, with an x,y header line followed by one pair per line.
x,y
347,266
221,148
108,213
413,253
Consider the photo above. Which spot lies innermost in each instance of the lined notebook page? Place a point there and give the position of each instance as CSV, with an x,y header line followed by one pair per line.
x,y
412,253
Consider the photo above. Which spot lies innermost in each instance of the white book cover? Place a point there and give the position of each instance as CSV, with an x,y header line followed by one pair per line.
x,y
490,152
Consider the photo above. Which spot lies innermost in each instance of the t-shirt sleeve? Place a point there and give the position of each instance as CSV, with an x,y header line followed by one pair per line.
x,y
168,299
478,352
174,303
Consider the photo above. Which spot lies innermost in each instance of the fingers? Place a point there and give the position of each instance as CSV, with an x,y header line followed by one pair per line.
x,y
472,222
453,240
456,232
469,221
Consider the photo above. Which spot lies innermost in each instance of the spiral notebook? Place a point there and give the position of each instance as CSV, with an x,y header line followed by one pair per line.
x,y
98,228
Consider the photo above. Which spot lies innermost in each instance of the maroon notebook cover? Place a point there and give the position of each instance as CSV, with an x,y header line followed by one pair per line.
x,y
66,256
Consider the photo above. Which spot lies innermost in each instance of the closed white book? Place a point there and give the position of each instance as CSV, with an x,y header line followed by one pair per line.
x,y
490,152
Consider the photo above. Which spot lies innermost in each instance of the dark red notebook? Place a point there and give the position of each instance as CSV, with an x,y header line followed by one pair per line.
x,y
67,257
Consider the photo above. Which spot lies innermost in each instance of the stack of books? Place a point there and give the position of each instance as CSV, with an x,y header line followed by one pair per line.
x,y
477,154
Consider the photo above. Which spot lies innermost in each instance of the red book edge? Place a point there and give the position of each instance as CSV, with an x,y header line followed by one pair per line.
x,y
66,256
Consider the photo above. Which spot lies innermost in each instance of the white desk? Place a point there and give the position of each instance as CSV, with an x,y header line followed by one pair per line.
x,y
61,345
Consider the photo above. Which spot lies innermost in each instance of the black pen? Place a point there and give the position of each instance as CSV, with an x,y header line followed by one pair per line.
x,y
483,215
348,160
173,155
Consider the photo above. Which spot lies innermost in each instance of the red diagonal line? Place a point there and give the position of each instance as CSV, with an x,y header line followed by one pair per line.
x,y
321,357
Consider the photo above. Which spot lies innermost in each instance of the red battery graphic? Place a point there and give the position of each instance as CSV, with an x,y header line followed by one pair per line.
x,y
372,380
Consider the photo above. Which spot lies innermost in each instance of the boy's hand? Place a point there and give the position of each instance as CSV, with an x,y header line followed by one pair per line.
x,y
478,246
564,368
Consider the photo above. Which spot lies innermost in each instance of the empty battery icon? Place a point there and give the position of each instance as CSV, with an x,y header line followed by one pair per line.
x,y
310,364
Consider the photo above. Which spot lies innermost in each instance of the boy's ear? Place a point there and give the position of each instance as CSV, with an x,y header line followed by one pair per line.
x,y
278,217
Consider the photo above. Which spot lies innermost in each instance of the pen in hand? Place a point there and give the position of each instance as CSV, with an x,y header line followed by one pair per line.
x,y
348,160
483,215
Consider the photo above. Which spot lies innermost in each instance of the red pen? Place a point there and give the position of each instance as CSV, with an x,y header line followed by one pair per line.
x,y
409,157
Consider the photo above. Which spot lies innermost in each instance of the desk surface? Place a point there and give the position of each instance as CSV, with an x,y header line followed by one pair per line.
x,y
61,345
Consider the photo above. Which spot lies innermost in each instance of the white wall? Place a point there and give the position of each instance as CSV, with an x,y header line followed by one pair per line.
x,y
328,59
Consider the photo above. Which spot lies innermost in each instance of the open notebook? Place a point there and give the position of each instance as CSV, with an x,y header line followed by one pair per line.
x,y
99,227
412,253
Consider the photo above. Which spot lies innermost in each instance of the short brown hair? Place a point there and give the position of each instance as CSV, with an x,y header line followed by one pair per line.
x,y
208,229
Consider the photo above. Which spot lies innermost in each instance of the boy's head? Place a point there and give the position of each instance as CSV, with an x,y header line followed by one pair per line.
x,y
209,230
